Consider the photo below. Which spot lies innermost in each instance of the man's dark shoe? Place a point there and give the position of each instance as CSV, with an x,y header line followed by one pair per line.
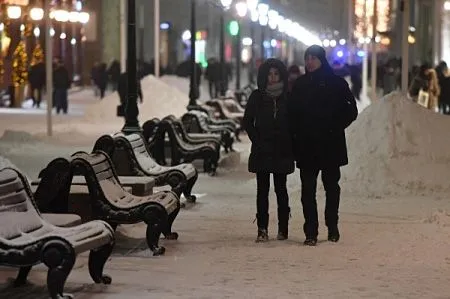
x,y
310,242
282,236
333,235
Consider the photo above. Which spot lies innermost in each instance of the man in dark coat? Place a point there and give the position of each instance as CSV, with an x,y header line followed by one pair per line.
x,y
267,125
61,85
321,107
36,77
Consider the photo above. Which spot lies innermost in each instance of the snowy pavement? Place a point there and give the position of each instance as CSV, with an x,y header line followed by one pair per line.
x,y
390,248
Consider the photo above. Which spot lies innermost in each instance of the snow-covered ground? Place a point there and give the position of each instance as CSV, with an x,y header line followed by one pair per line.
x,y
394,244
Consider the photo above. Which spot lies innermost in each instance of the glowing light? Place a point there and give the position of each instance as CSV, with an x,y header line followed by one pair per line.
x,y
342,42
447,5
247,41
340,54
36,14
186,35
14,12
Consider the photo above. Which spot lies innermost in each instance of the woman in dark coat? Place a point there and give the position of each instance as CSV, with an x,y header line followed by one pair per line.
x,y
266,123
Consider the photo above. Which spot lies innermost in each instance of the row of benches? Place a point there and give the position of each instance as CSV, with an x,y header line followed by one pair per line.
x,y
118,178
27,237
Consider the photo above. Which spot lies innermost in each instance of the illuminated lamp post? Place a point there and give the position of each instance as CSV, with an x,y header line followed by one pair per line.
x,y
193,84
223,68
241,9
254,15
263,10
131,108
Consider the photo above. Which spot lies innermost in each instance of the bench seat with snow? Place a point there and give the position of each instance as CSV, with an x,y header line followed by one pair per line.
x,y
130,157
27,239
195,138
109,200
224,111
183,152
196,121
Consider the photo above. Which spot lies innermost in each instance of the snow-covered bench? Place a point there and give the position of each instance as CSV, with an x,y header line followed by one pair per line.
x,y
116,206
26,239
182,152
131,158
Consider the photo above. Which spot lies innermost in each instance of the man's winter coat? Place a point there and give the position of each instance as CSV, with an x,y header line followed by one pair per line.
x,y
321,107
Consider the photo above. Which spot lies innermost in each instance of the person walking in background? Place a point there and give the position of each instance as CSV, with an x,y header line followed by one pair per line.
x,y
293,73
426,80
266,122
36,78
61,85
212,74
356,81
321,107
114,74
444,84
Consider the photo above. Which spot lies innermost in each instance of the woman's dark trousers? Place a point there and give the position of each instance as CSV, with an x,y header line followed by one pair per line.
x,y
262,200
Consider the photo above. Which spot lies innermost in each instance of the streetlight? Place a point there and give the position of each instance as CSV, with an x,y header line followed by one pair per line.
x,y
241,9
36,14
223,69
263,10
131,108
193,84
252,6
14,12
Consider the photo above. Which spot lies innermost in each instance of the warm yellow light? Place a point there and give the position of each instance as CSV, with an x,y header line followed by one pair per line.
x,y
363,23
14,12
385,41
61,15
74,16
83,17
36,14
411,39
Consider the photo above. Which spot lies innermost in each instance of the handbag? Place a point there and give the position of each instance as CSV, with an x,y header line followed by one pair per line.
x,y
423,98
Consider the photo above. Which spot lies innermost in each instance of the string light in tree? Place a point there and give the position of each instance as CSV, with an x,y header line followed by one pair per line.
x,y
38,55
20,65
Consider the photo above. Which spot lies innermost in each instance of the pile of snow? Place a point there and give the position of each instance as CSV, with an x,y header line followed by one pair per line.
x,y
183,85
160,100
397,147
12,136
6,163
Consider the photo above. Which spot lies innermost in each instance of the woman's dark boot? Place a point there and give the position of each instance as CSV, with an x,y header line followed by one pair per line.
x,y
263,222
283,223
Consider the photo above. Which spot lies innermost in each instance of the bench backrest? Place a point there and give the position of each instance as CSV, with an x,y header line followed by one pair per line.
x,y
201,118
99,163
136,142
101,166
173,133
18,214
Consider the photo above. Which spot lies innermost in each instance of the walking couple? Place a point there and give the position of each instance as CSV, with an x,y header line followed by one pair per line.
x,y
306,126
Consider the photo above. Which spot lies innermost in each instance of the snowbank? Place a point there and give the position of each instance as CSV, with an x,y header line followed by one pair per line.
x,y
397,147
160,100
182,84
6,163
